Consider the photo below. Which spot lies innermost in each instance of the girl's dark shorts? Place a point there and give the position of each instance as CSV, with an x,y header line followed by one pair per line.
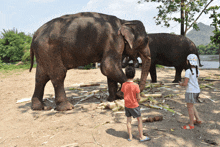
x,y
135,112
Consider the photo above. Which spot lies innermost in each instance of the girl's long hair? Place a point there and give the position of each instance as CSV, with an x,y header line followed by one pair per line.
x,y
189,67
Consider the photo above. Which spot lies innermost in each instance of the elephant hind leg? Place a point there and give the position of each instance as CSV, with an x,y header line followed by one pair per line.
x,y
57,79
40,81
153,73
179,70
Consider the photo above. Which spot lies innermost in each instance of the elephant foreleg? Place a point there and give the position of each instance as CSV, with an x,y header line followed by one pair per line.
x,y
114,75
178,74
113,87
40,81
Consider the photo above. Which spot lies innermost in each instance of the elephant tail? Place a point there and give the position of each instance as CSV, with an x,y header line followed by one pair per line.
x,y
200,65
32,58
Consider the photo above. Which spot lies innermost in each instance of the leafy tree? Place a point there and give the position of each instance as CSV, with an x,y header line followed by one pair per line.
x,y
216,23
187,9
13,45
210,49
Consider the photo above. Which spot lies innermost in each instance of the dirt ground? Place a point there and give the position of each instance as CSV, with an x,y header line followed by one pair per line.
x,y
89,126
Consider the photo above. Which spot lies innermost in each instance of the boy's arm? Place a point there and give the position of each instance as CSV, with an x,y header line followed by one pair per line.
x,y
138,97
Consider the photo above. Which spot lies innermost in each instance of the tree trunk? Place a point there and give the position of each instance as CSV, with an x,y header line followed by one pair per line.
x,y
219,56
182,32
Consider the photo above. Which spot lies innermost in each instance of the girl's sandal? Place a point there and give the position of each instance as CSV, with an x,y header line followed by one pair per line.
x,y
189,127
197,122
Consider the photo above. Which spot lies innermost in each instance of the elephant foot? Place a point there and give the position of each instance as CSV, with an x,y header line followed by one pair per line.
x,y
111,99
119,95
64,106
37,106
176,81
40,106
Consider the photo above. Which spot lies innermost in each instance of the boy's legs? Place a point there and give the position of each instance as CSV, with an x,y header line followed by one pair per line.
x,y
129,127
140,128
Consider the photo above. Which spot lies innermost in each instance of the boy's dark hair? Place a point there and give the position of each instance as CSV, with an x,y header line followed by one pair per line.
x,y
189,67
130,72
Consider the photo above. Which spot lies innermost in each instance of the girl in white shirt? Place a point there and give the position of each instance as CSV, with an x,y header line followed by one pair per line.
x,y
192,90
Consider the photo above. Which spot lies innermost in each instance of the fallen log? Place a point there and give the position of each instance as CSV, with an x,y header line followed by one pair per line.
x,y
152,95
162,108
210,80
152,85
88,85
71,145
209,86
88,96
142,100
23,100
110,105
170,84
152,119
208,98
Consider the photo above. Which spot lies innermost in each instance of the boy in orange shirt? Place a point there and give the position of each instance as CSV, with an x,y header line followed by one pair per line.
x,y
132,97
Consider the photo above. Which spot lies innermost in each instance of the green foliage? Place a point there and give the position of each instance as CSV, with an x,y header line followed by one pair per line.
x,y
89,66
159,66
210,49
26,57
189,8
13,45
216,23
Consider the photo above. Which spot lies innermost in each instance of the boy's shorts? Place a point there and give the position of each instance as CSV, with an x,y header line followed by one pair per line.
x,y
191,97
135,112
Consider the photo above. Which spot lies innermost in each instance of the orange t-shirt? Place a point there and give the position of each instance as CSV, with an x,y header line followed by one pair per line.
x,y
130,90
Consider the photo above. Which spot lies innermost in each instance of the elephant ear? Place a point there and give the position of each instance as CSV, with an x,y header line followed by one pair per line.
x,y
128,34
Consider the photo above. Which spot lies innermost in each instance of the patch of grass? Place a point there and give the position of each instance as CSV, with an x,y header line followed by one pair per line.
x,y
159,66
5,67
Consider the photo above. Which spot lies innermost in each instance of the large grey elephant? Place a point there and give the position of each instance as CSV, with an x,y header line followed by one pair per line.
x,y
168,50
74,40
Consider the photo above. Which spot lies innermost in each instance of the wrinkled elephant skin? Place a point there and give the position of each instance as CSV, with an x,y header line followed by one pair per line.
x,y
79,39
170,50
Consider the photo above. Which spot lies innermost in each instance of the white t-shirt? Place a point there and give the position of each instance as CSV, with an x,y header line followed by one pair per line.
x,y
193,85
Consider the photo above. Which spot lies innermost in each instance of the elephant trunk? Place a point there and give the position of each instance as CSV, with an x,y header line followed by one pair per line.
x,y
146,62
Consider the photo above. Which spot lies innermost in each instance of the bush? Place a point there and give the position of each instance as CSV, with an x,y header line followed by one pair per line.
x,y
26,57
14,45
89,66
209,49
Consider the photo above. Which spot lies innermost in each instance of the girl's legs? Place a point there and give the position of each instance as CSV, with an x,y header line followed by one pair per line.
x,y
191,113
196,114
129,127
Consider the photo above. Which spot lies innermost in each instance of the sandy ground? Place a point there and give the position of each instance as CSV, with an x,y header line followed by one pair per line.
x,y
87,126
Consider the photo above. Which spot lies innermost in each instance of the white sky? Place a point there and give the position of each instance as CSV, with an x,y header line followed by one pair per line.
x,y
29,15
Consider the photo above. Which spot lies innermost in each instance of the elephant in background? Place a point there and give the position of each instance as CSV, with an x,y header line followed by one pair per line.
x,y
75,40
168,50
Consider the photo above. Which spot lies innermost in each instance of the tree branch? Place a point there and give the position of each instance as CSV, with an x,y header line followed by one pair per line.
x,y
198,16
